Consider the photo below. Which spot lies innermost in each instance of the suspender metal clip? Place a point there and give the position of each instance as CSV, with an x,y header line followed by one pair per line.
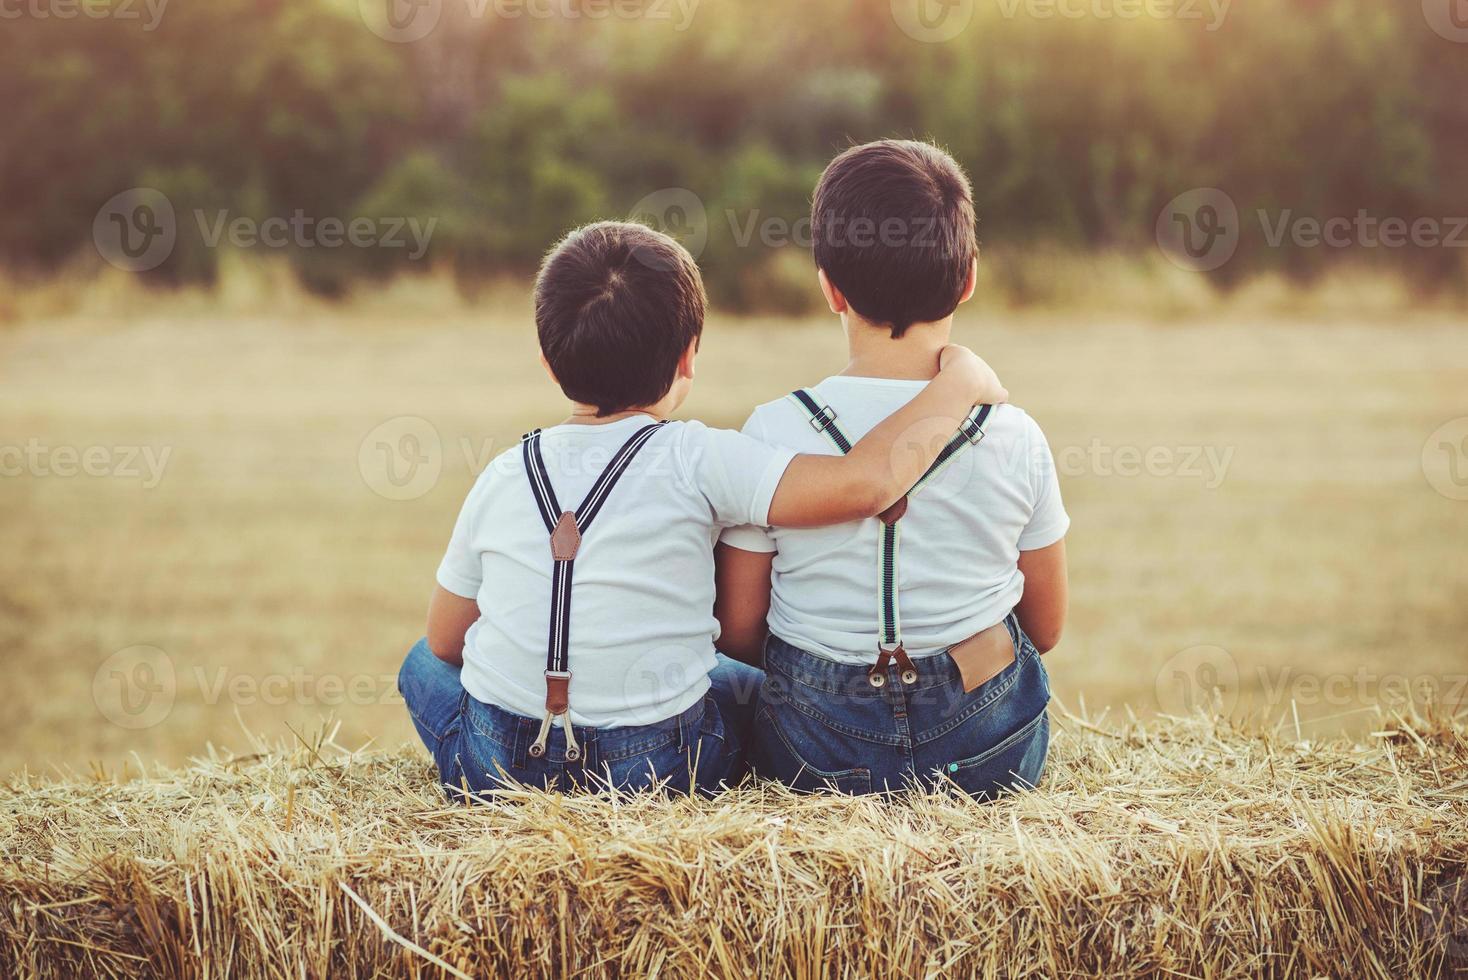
x,y
877,676
823,419
573,748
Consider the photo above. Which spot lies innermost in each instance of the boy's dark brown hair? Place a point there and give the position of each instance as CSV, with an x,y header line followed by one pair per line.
x,y
616,305
893,228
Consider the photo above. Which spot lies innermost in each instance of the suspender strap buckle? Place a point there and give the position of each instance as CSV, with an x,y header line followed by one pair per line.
x,y
823,418
973,426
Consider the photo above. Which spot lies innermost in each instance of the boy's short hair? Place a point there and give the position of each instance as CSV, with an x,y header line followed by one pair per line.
x,y
616,305
893,228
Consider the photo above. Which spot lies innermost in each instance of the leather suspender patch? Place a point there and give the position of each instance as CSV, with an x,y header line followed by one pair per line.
x,y
565,539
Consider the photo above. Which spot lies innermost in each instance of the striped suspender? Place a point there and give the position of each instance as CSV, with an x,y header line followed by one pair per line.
x,y
566,529
889,614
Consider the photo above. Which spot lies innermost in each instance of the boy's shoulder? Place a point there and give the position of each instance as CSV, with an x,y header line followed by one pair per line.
x,y
678,442
778,417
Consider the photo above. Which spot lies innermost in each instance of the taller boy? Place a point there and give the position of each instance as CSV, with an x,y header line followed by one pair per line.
x,y
890,666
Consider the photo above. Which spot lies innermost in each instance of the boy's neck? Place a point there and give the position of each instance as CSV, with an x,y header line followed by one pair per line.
x,y
913,357
586,414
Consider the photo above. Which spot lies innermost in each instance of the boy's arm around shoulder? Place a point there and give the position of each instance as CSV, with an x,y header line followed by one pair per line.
x,y
881,468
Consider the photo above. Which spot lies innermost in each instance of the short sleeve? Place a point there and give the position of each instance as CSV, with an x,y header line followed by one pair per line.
x,y
462,570
1048,520
750,537
735,473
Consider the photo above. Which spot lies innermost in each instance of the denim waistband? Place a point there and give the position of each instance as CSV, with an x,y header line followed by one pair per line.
x,y
515,730
850,680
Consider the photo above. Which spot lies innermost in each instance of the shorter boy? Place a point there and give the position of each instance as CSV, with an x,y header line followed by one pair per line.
x,y
904,649
618,508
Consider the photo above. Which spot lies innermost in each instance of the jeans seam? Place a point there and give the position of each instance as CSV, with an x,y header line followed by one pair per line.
x,y
774,723
836,726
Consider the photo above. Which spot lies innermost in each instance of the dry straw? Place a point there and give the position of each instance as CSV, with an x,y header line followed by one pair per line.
x,y
1179,847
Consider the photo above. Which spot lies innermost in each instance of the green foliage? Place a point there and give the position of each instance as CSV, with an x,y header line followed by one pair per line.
x,y
506,129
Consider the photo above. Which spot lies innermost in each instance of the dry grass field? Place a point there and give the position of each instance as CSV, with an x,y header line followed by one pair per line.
x,y
1256,508
1163,849
217,534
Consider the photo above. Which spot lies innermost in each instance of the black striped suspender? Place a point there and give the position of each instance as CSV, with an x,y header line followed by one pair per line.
x,y
889,614
566,529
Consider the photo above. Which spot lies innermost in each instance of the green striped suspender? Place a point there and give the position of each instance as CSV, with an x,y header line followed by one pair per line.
x,y
889,616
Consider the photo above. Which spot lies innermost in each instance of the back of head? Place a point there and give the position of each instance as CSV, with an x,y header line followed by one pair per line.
x,y
893,228
616,305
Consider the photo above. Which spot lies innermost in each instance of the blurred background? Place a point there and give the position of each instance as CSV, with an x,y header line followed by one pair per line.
x,y
264,314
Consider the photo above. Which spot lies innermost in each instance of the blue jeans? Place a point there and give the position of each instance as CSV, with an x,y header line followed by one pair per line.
x,y
481,747
822,725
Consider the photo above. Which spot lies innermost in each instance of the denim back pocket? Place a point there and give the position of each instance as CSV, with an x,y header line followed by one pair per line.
x,y
1016,763
775,755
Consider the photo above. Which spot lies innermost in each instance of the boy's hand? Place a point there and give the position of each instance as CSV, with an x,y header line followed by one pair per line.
x,y
973,369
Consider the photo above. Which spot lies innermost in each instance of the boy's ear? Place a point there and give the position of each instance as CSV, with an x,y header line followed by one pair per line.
x,y
549,372
834,299
685,363
971,283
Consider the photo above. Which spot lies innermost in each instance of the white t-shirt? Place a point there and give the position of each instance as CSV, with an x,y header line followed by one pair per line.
x,y
642,624
961,536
